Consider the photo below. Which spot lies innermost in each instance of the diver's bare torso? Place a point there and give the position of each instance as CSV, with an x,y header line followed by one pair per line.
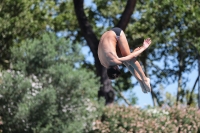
x,y
107,50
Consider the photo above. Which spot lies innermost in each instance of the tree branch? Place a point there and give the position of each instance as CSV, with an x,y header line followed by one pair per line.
x,y
85,26
122,96
154,97
126,15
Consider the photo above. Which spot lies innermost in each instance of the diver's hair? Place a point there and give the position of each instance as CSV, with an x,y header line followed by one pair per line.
x,y
113,72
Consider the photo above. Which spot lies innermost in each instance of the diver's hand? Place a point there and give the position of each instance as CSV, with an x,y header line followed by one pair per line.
x,y
146,43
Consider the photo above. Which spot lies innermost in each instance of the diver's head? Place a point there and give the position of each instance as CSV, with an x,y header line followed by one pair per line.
x,y
113,72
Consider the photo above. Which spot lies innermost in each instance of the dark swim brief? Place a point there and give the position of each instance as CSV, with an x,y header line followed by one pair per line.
x,y
117,31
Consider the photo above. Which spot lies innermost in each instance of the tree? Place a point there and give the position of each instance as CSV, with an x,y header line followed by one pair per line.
x,y
44,91
20,20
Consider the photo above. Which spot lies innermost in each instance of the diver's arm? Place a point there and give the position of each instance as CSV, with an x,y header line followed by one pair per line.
x,y
134,54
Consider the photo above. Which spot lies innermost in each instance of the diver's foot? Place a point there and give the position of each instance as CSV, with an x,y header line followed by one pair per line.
x,y
147,85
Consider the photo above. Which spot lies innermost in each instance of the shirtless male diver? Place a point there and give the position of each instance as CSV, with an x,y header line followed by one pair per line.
x,y
113,50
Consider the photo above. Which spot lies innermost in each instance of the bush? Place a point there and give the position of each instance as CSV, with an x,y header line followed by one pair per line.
x,y
120,119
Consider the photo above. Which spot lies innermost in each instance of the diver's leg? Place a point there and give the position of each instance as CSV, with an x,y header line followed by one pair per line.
x,y
137,76
125,50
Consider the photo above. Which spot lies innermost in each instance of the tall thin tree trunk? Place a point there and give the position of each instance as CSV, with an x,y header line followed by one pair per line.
x,y
179,79
193,88
179,89
199,81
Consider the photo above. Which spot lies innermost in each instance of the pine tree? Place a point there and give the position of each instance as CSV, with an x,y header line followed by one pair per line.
x,y
46,91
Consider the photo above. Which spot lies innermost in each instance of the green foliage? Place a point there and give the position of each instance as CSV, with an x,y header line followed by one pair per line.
x,y
65,18
109,12
173,27
21,19
168,24
40,55
123,119
44,92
